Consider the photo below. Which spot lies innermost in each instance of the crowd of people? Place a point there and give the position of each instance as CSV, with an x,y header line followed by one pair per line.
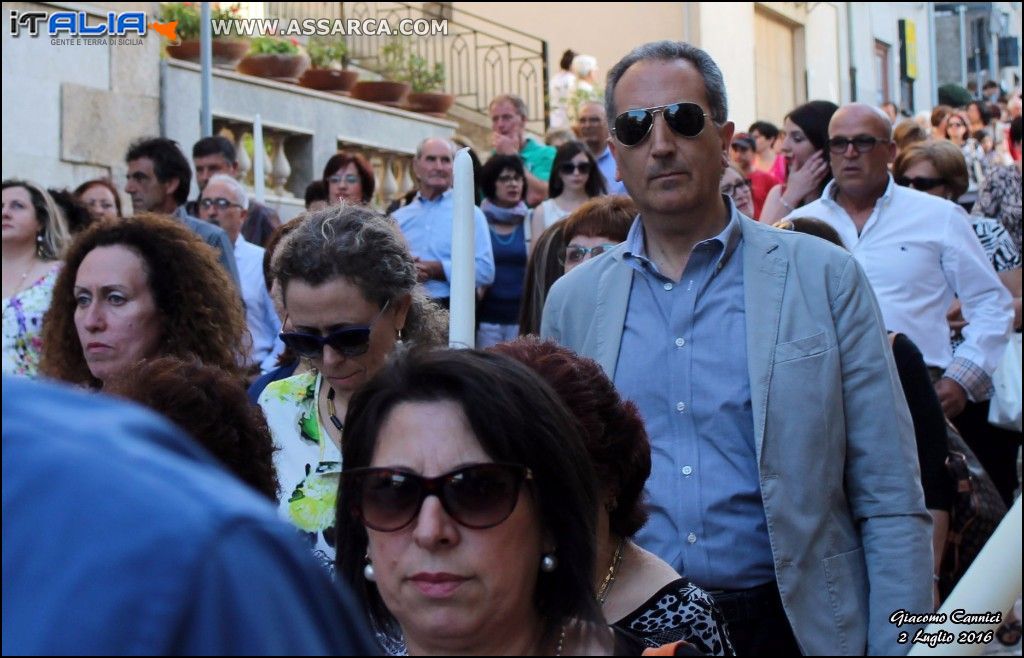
x,y
706,412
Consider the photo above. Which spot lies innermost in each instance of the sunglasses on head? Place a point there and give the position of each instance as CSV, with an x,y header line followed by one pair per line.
x,y
920,183
349,341
350,179
478,496
574,254
632,127
568,167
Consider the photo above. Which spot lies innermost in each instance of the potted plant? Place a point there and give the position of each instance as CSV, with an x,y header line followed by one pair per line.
x,y
227,50
275,57
328,69
426,83
392,90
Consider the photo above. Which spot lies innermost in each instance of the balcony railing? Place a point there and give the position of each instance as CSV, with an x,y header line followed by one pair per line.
x,y
481,58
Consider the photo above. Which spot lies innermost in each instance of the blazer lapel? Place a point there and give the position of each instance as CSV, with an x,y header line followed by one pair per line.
x,y
764,282
610,314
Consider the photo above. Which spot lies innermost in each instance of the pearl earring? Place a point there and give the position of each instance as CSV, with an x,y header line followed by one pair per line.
x,y
548,563
368,572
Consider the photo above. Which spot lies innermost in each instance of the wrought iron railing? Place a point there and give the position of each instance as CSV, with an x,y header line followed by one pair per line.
x,y
481,58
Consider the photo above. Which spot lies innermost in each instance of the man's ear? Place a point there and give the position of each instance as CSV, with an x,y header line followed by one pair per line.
x,y
171,186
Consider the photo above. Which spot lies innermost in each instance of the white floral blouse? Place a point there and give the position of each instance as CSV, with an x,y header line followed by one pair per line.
x,y
23,325
308,462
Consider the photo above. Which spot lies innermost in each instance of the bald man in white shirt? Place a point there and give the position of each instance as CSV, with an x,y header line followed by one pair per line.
x,y
919,251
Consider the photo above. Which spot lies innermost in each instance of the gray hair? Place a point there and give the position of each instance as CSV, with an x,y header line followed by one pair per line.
x,y
518,103
366,248
449,143
668,51
241,196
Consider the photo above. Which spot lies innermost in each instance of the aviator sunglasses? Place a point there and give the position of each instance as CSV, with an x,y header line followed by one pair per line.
x,y
633,126
477,496
350,341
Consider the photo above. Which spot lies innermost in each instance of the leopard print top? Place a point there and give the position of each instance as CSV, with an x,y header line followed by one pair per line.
x,y
680,611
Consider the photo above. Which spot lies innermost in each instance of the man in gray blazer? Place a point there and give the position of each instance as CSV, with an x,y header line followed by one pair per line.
x,y
785,475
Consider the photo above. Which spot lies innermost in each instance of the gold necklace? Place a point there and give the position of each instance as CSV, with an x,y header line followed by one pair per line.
x,y
609,579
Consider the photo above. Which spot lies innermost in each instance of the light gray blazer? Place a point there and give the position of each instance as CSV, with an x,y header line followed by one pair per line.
x,y
850,535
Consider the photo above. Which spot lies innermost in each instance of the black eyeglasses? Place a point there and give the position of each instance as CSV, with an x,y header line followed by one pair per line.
x,y
478,496
730,189
351,179
568,167
633,126
921,183
350,341
220,202
862,143
576,254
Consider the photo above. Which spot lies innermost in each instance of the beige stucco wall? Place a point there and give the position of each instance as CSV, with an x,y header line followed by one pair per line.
x,y
607,31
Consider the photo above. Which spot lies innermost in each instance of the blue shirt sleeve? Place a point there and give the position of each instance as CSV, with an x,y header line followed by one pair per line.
x,y
254,594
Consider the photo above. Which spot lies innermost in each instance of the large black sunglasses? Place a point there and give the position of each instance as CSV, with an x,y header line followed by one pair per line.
x,y
921,183
350,341
633,126
478,496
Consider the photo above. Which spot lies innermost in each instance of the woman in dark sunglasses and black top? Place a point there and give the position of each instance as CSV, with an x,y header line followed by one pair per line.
x,y
467,508
348,284
575,178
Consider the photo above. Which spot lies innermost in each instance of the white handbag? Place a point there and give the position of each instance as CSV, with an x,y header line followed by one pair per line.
x,y
1005,408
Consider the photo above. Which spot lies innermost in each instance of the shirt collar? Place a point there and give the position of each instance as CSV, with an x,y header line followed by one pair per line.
x,y
832,190
728,239
438,199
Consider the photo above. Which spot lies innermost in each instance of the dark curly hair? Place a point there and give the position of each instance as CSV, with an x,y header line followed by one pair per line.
x,y
612,429
517,419
368,249
492,169
200,308
213,408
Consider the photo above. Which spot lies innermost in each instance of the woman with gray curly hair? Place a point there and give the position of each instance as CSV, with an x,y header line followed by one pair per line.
x,y
348,283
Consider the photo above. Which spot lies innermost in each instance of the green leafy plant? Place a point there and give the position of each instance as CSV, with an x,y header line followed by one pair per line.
x,y
187,16
274,46
399,63
421,77
393,56
324,52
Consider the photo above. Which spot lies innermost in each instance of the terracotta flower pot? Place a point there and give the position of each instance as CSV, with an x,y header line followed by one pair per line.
x,y
286,68
328,79
430,102
226,52
384,92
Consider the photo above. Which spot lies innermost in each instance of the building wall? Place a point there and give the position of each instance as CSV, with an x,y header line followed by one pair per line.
x,y
727,34
607,31
57,100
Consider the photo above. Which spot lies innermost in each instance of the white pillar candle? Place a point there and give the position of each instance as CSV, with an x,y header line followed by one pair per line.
x,y
259,160
462,320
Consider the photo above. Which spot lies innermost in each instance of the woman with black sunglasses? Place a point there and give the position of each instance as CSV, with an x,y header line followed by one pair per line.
x,y
348,284
939,168
466,515
574,180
